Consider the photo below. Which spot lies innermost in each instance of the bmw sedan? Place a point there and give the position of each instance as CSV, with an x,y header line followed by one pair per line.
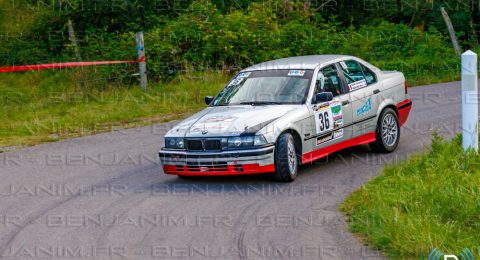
x,y
276,115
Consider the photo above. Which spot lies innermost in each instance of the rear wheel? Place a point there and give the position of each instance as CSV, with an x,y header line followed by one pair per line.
x,y
387,133
286,159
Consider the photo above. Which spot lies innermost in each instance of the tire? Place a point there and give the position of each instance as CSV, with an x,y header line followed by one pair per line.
x,y
286,159
387,133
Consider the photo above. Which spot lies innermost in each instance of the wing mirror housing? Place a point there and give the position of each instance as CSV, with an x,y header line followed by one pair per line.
x,y
323,97
208,100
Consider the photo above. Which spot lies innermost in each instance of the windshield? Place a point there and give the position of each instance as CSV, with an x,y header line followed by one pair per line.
x,y
266,87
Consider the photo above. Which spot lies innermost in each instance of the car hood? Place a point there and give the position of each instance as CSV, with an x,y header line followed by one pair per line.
x,y
230,120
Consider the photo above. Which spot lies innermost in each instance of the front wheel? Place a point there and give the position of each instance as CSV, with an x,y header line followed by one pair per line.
x,y
286,159
387,133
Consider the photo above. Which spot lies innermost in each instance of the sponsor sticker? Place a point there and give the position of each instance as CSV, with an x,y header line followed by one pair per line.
x,y
209,127
337,110
324,139
298,73
330,137
338,123
338,134
244,75
344,66
214,119
239,79
357,85
323,106
236,81
367,106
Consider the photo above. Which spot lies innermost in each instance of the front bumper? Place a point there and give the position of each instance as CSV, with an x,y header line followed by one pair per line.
x,y
239,162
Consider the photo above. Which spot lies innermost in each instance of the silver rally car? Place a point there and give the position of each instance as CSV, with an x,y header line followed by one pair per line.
x,y
276,115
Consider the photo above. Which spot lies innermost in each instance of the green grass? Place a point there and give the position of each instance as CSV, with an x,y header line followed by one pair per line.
x,y
47,106
429,201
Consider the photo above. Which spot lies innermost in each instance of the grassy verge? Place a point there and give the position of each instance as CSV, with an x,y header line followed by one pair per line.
x,y
47,106
430,201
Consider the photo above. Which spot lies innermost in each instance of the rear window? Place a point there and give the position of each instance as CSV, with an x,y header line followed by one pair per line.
x,y
369,75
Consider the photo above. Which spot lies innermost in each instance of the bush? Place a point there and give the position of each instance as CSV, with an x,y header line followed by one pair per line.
x,y
204,37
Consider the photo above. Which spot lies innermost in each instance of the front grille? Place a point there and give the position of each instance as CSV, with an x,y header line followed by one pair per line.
x,y
207,167
194,145
212,145
203,145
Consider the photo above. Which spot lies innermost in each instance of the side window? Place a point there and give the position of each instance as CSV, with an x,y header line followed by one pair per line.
x,y
369,75
353,73
328,80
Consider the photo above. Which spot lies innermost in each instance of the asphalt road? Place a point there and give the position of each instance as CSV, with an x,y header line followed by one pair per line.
x,y
105,197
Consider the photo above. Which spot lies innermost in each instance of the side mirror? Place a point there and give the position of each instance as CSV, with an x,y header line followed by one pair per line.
x,y
208,100
323,97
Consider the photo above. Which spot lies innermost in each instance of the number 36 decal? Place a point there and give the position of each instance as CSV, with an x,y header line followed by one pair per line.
x,y
324,121
325,116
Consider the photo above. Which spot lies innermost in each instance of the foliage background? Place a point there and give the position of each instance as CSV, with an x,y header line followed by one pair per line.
x,y
406,35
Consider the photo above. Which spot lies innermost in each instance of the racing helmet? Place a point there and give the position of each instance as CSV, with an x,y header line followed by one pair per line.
x,y
320,82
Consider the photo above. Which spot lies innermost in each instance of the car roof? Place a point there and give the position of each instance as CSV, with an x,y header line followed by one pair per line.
x,y
299,62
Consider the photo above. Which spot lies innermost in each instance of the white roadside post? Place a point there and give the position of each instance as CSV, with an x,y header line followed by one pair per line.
x,y
469,101
141,61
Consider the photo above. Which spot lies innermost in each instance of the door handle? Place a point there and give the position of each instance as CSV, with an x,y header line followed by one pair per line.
x,y
376,91
345,102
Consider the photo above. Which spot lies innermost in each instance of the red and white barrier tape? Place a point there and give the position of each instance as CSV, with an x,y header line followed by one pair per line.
x,y
64,65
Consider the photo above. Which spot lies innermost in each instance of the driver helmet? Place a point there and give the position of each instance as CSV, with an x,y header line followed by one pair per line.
x,y
320,81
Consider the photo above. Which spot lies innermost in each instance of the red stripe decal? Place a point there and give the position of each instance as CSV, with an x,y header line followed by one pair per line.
x,y
317,154
64,65
404,112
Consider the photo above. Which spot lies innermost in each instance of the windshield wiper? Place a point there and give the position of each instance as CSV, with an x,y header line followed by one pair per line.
x,y
260,103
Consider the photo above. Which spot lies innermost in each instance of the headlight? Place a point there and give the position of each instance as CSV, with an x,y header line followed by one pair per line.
x,y
246,141
174,142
